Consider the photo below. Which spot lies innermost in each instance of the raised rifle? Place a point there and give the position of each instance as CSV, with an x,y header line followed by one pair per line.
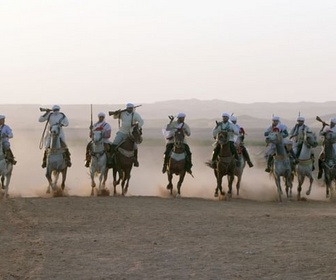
x,y
45,110
322,121
117,112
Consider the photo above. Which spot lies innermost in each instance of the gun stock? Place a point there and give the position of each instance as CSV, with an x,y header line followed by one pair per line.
x,y
322,121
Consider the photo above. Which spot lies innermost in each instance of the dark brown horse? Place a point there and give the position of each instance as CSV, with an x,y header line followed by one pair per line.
x,y
329,165
125,157
177,162
226,164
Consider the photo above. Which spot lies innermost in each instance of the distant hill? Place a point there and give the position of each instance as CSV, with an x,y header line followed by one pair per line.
x,y
199,113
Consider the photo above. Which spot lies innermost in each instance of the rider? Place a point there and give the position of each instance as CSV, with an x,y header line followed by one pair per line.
x,y
128,118
270,150
52,117
297,136
171,127
5,134
100,125
323,132
240,141
233,131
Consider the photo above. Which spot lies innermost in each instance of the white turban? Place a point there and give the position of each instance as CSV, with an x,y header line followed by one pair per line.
x,y
56,107
2,117
129,105
226,115
276,118
233,118
181,115
101,114
302,119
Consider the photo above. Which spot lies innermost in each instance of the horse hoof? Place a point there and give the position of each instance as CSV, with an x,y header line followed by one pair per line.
x,y
307,192
216,195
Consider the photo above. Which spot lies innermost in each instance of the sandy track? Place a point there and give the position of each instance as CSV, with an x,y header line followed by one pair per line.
x,y
159,238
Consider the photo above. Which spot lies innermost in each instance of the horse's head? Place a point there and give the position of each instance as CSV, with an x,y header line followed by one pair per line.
x,y
55,130
178,138
223,137
135,133
310,138
97,136
274,136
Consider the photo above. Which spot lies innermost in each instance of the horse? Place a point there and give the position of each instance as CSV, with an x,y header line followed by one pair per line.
x,y
176,163
98,162
56,164
281,164
124,159
329,164
305,165
6,169
226,164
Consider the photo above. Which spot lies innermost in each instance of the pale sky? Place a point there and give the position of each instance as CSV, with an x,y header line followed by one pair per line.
x,y
144,51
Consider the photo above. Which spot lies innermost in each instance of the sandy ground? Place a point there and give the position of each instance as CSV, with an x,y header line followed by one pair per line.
x,y
157,238
149,235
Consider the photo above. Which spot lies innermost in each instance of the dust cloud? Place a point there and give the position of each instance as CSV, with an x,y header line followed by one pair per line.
x,y
28,178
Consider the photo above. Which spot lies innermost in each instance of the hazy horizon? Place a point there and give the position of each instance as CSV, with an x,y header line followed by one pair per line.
x,y
146,51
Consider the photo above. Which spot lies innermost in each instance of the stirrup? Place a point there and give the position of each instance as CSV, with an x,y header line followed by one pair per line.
x,y
44,164
136,163
87,164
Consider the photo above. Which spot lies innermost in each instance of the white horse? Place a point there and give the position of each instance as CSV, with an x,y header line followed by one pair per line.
x,y
98,161
305,166
56,164
281,166
6,169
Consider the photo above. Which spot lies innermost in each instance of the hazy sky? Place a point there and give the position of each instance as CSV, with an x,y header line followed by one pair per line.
x,y
118,51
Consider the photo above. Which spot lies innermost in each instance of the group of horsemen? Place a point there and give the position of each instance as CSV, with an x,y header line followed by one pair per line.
x,y
128,117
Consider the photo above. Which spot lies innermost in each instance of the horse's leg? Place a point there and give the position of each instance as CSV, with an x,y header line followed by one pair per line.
x,y
230,183
219,184
170,181
6,184
115,172
127,182
105,177
100,178
48,176
288,182
64,175
216,189
278,185
299,188
2,182
179,183
311,180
